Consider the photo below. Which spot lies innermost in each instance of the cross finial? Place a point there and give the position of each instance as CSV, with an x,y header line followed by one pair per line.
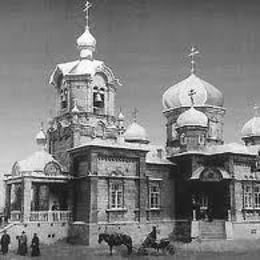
x,y
87,7
191,93
135,114
256,109
192,54
41,127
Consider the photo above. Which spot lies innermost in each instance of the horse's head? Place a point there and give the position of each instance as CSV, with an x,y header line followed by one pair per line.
x,y
101,237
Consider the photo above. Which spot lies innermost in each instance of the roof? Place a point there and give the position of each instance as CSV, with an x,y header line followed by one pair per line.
x,y
37,162
112,144
234,148
157,155
206,94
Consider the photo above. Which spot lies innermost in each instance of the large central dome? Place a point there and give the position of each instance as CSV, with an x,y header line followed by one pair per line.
x,y
178,95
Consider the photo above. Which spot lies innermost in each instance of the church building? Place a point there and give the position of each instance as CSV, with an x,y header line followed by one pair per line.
x,y
92,173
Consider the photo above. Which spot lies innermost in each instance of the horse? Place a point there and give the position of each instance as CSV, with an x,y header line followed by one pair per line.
x,y
116,239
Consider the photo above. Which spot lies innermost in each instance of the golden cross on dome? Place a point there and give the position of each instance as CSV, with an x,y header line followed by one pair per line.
x,y
87,7
135,114
191,93
192,54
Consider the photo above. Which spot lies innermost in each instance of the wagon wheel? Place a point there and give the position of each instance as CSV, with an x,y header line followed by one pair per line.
x,y
142,251
170,249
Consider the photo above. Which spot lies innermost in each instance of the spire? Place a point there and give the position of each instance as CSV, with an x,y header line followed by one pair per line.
x,y
121,116
256,110
192,93
192,54
86,42
135,114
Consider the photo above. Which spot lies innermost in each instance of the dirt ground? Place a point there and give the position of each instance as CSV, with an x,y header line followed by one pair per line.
x,y
196,250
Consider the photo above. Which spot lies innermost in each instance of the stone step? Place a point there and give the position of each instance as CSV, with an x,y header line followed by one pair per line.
x,y
212,230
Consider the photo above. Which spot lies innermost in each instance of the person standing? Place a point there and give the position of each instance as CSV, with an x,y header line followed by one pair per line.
x,y
35,245
5,241
23,244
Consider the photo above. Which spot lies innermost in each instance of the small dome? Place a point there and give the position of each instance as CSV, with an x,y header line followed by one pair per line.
x,y
192,117
41,136
86,40
135,133
252,127
121,117
178,95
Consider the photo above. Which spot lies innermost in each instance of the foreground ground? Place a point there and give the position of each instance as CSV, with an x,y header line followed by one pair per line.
x,y
199,250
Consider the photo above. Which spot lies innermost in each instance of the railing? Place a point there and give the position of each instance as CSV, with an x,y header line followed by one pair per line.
x,y
15,215
51,216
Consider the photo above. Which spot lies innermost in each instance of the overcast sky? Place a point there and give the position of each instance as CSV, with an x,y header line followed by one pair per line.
x,y
145,42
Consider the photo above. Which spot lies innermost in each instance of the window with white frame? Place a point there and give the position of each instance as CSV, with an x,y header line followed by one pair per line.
x,y
248,203
116,195
257,196
154,195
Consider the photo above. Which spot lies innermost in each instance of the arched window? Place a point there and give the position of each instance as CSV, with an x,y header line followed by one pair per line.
x,y
201,139
64,98
182,138
99,90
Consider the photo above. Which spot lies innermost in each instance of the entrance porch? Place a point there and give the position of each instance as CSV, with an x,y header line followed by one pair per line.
x,y
39,200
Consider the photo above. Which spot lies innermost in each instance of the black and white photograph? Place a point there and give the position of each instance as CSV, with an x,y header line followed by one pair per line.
x,y
130,129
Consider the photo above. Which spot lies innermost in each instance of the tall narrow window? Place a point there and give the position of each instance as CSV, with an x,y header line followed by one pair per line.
x,y
248,196
154,195
257,196
116,195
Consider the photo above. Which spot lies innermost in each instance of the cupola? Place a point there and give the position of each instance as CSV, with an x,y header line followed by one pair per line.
x,y
86,42
251,129
135,133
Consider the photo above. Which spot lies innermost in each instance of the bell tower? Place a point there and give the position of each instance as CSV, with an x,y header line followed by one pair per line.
x,y
85,99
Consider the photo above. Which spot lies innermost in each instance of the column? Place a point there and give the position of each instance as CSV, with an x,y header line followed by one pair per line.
x,y
44,197
26,199
232,211
12,195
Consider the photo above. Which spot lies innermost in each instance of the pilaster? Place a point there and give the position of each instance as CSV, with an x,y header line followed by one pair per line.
x,y
93,181
143,190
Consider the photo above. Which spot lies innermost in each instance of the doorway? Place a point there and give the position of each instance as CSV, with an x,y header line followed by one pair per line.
x,y
210,200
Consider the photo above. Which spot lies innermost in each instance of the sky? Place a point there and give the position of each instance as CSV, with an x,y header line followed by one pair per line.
x,y
145,42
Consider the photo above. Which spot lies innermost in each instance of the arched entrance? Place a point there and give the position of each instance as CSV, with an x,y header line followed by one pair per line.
x,y
210,194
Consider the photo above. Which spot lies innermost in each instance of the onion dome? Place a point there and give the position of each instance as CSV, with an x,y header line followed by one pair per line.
x,y
251,128
135,134
121,117
178,95
87,44
41,138
192,117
